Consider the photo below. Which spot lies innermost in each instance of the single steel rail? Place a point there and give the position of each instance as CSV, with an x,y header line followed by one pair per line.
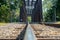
x,y
29,34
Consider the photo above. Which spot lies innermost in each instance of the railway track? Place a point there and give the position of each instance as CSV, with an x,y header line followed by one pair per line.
x,y
12,31
29,32
43,32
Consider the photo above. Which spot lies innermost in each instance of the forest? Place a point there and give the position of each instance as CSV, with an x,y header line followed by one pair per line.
x,y
51,10
10,10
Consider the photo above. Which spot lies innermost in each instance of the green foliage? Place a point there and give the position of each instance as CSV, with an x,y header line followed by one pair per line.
x,y
21,2
58,10
8,9
49,7
49,16
2,2
29,18
4,13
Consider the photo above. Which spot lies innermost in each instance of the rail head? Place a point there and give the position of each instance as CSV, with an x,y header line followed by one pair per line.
x,y
29,35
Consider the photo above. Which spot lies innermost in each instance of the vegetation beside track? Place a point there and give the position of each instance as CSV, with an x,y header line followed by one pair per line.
x,y
1,24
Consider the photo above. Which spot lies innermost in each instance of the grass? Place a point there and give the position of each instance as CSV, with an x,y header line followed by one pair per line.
x,y
29,18
57,22
1,24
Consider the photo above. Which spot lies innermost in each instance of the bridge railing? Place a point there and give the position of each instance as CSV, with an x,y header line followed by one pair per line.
x,y
29,34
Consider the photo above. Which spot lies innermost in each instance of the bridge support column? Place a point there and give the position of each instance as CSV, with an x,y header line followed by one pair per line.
x,y
23,15
37,12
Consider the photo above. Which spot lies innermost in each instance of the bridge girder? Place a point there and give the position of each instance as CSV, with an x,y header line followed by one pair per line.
x,y
36,11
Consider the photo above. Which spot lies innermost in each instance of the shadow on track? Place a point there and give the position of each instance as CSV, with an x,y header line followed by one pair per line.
x,y
21,35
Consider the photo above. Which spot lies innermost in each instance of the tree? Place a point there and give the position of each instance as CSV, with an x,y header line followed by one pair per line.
x,y
8,11
58,10
48,10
